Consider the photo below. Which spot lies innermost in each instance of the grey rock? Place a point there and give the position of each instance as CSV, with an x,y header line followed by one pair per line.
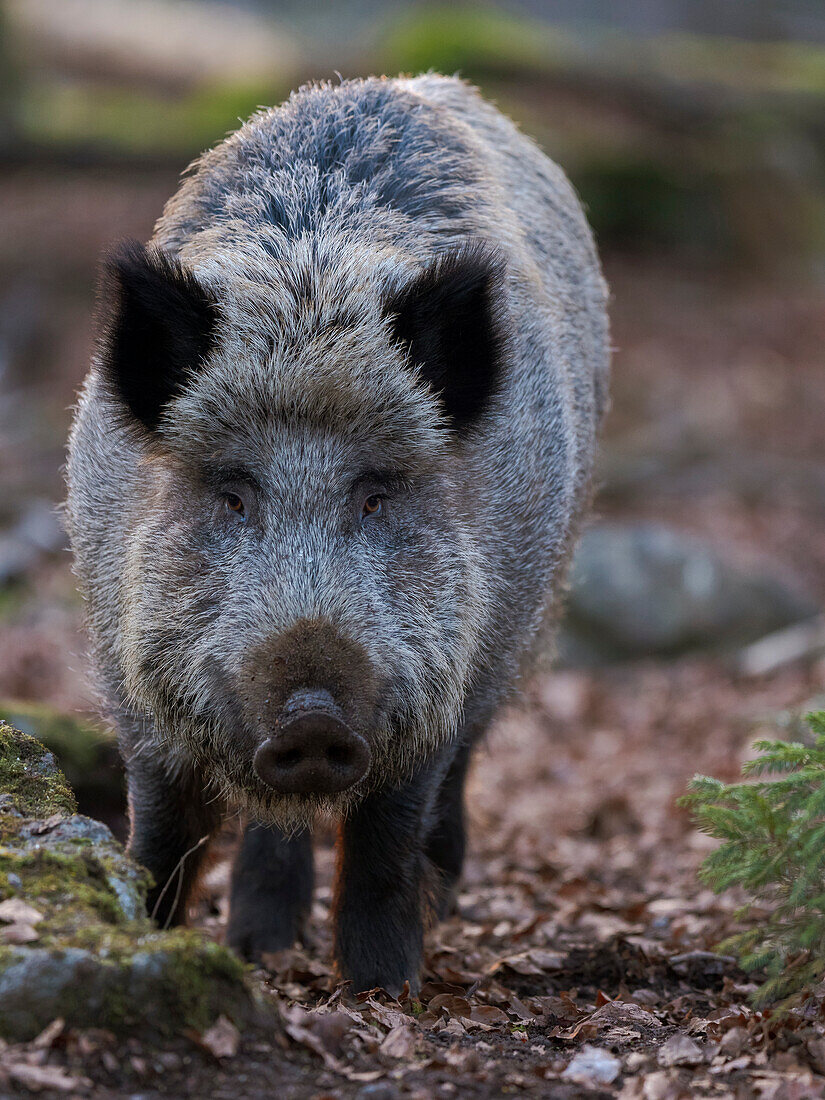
x,y
51,834
39,526
96,960
100,849
16,559
681,1050
641,590
140,989
38,531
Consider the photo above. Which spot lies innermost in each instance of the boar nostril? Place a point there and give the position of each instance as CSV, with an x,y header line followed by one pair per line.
x,y
339,755
314,751
289,758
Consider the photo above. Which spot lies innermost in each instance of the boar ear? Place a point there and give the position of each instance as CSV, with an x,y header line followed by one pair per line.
x,y
448,318
160,329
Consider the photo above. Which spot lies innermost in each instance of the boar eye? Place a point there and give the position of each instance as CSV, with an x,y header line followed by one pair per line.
x,y
373,506
234,504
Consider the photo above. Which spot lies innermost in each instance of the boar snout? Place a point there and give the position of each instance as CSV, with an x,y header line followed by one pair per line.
x,y
314,751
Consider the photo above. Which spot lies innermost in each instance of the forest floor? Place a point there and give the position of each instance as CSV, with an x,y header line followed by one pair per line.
x,y
582,958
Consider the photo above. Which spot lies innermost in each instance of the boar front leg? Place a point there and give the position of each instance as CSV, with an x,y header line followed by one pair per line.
x,y
271,891
380,897
447,841
170,823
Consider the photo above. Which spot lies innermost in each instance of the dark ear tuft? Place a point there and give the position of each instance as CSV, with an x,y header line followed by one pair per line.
x,y
448,318
159,331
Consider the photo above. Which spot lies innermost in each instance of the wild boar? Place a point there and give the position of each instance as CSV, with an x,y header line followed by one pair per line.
x,y
324,479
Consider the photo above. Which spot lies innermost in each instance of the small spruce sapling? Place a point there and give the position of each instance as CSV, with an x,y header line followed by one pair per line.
x,y
773,833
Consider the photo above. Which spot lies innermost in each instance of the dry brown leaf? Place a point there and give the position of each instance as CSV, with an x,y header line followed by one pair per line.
x,y
428,1019
433,989
17,911
660,1086
561,1007
624,1013
37,1078
489,1015
731,1066
680,1050
451,1005
520,1009
294,966
301,1026
385,1014
734,1042
816,1050
399,1043
47,825
615,1036
222,1039
532,962
723,1019
50,1033
621,1014
455,1027
110,1061
18,934
699,1026
357,1017
454,976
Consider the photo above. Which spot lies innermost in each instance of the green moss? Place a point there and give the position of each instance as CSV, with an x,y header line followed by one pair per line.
x,y
12,596
71,889
97,968
778,67
87,755
98,960
204,978
159,983
644,203
28,773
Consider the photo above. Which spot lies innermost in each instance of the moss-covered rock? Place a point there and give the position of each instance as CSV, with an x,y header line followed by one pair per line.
x,y
157,984
29,776
90,954
86,754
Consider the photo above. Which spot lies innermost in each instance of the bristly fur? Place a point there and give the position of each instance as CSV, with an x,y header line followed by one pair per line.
x,y
343,277
160,330
448,319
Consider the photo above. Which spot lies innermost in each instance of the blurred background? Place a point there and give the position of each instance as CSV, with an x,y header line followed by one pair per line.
x,y
694,132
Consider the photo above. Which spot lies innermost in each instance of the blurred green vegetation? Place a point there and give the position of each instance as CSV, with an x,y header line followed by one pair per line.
x,y
132,121
8,77
641,203
704,144
488,40
476,42
772,832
